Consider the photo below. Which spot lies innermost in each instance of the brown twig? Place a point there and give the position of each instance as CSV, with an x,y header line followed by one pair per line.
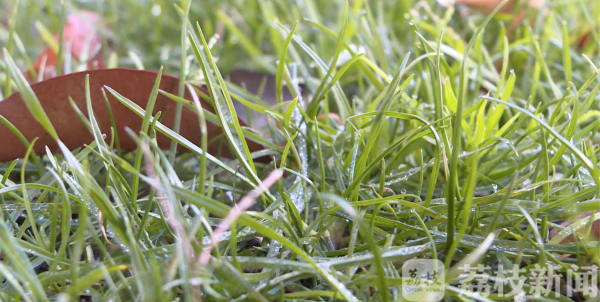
x,y
165,205
235,212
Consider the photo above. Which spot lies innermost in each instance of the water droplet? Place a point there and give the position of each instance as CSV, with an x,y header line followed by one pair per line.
x,y
156,10
213,40
403,191
495,186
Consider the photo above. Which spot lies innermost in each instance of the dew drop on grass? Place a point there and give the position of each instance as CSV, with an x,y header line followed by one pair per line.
x,y
124,248
156,10
213,40
164,54
403,191
495,187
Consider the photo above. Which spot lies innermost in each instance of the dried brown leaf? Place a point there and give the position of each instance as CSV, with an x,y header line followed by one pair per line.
x,y
135,85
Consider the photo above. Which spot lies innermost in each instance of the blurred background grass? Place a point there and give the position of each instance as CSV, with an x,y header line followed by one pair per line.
x,y
246,32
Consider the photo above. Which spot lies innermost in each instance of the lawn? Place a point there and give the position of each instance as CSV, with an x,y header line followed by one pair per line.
x,y
390,150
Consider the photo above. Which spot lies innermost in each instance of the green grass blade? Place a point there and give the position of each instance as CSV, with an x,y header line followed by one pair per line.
x,y
457,129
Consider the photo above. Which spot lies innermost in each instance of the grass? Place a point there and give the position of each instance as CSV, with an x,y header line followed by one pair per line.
x,y
462,138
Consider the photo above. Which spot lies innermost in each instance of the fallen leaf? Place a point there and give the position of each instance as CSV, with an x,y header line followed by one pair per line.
x,y
594,230
135,85
81,35
489,5
586,39
262,85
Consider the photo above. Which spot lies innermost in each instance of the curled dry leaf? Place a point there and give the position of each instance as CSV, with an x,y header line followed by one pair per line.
x,y
594,230
489,5
135,85
81,35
